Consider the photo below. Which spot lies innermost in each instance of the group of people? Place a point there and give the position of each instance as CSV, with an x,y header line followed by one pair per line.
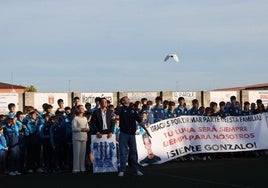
x,y
43,141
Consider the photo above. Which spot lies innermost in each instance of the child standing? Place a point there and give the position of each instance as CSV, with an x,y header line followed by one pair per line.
x,y
116,132
11,132
3,151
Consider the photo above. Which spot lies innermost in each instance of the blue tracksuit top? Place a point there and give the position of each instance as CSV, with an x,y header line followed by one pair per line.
x,y
67,124
3,142
57,134
233,110
158,112
246,112
34,124
44,130
140,130
11,115
116,132
223,113
12,135
194,112
150,116
168,114
180,110
128,118
23,131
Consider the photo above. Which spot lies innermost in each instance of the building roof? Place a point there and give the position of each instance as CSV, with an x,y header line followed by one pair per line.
x,y
8,86
248,87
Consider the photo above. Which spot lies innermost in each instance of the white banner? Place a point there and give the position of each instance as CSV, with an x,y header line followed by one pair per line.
x,y
5,99
176,137
50,98
218,96
104,154
253,96
137,96
90,97
187,95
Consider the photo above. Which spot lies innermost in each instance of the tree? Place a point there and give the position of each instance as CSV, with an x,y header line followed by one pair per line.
x,y
30,88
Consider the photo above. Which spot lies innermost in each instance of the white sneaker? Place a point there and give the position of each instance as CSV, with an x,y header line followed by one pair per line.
x,y
139,173
40,170
12,174
75,171
17,173
121,174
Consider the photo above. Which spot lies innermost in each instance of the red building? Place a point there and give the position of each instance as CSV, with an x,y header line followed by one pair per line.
x,y
8,88
263,86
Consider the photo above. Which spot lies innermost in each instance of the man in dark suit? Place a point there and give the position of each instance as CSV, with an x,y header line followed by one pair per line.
x,y
103,120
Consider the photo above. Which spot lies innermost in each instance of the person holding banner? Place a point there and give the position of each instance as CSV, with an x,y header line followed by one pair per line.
x,y
158,110
246,109
170,112
260,107
127,139
194,111
181,108
103,120
222,111
233,108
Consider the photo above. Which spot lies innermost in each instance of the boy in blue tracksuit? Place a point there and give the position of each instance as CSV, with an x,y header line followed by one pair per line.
x,y
181,108
23,131
47,147
66,123
116,132
194,111
12,110
11,131
158,110
3,151
170,112
57,139
233,109
33,120
246,110
222,111
145,121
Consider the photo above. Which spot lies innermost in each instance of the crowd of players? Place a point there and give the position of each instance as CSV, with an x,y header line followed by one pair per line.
x,y
41,141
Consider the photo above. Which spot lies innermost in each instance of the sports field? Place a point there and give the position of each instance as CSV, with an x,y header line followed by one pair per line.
x,y
231,172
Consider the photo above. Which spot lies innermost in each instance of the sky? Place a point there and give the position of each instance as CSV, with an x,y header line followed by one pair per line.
x,y
120,45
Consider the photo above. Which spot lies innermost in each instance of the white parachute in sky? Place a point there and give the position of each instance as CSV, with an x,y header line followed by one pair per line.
x,y
173,56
